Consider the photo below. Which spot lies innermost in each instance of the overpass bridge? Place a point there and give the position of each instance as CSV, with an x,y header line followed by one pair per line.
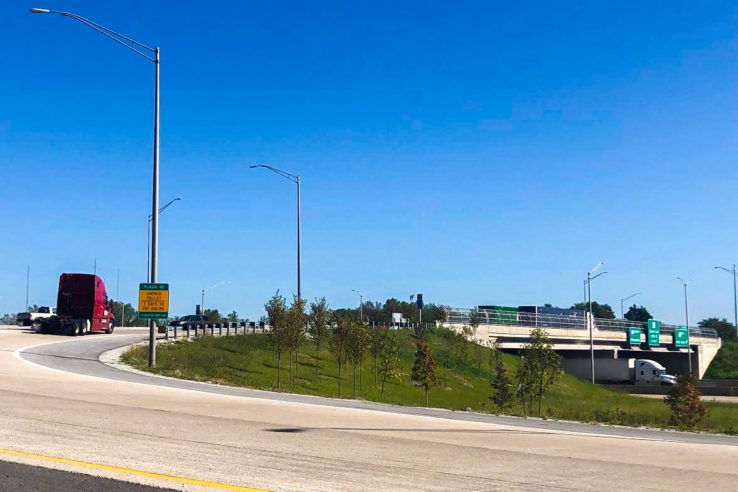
x,y
570,336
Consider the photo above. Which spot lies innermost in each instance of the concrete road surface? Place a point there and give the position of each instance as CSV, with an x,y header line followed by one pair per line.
x,y
192,436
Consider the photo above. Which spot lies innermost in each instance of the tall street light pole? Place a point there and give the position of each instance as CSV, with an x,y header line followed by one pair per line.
x,y
685,283
28,280
361,304
622,303
202,298
295,179
148,236
151,54
735,298
591,277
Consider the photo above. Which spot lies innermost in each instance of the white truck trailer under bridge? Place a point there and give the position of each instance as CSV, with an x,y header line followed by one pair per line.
x,y
570,336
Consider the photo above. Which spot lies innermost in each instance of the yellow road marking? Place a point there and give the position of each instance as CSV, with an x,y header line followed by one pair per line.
x,y
130,471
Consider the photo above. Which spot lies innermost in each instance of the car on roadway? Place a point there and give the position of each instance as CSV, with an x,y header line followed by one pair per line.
x,y
190,320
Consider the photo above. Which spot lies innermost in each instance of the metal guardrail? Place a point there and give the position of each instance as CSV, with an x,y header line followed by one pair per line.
x,y
565,322
215,329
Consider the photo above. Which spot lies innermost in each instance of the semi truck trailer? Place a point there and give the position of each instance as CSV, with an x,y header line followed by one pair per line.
x,y
82,307
633,371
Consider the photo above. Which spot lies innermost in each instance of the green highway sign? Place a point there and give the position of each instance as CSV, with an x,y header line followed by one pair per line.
x,y
654,330
681,337
634,336
153,301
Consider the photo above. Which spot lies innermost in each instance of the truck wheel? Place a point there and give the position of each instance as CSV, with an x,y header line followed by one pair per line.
x,y
86,326
111,327
77,328
27,322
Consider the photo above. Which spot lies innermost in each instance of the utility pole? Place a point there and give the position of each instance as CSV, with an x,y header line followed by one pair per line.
x,y
735,297
28,279
622,301
361,304
686,321
590,277
295,179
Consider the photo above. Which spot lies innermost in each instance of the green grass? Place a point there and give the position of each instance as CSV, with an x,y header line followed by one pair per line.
x,y
725,363
247,360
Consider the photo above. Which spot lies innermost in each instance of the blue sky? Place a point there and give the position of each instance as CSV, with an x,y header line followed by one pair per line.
x,y
476,152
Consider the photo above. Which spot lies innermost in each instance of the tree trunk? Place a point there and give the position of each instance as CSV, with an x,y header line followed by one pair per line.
x,y
381,395
297,362
339,379
426,396
279,368
290,372
317,351
540,394
354,381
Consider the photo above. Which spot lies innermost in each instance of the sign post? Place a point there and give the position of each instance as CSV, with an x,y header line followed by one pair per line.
x,y
153,301
654,331
634,336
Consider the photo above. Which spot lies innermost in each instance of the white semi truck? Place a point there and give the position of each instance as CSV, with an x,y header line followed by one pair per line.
x,y
633,371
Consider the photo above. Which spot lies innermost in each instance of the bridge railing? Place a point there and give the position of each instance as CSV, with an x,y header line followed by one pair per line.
x,y
560,321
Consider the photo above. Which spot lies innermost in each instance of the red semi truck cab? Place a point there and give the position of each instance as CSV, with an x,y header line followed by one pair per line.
x,y
82,306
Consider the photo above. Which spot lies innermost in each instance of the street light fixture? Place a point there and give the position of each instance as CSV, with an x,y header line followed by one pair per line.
x,y
148,235
622,301
151,54
295,179
361,304
685,283
591,277
202,299
735,298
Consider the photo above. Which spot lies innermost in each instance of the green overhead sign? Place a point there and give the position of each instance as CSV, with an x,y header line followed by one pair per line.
x,y
634,336
654,330
681,337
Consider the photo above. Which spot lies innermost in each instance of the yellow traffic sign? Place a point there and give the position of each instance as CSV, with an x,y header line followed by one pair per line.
x,y
153,301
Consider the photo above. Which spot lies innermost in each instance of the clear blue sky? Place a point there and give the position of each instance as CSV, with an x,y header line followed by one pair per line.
x,y
477,153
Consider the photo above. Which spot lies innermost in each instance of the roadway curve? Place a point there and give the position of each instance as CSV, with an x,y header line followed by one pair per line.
x,y
58,400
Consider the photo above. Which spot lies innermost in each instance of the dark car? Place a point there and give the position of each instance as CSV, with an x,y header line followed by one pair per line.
x,y
191,321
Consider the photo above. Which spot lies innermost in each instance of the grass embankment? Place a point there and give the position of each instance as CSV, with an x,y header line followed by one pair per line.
x,y
248,361
725,363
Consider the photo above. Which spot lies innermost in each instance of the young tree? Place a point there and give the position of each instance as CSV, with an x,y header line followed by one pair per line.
x,y
233,317
474,321
544,363
358,345
294,331
637,313
319,318
377,339
526,383
277,315
389,358
501,394
424,369
339,342
684,401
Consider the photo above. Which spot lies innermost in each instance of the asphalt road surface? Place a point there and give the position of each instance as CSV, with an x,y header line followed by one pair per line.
x,y
61,408
16,476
